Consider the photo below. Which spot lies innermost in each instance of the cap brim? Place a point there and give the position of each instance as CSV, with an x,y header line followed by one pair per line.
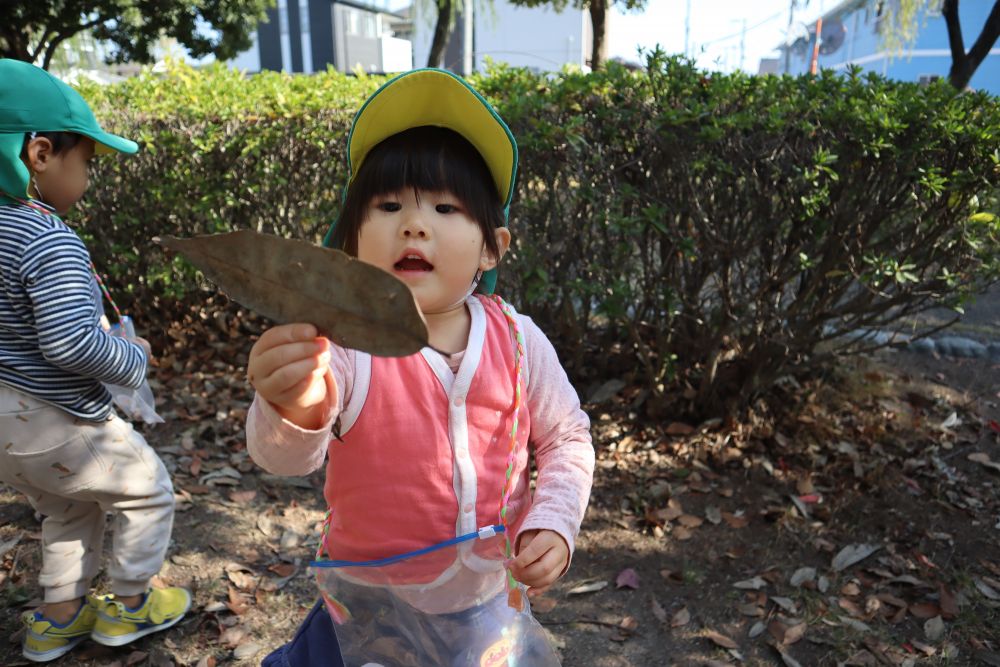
x,y
14,176
112,143
439,98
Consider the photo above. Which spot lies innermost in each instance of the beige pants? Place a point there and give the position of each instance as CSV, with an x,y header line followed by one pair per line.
x,y
73,471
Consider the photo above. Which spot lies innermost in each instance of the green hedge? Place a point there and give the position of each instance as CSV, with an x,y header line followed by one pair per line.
x,y
670,225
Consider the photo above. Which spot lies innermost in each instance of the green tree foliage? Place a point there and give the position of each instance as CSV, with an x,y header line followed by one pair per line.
x,y
32,30
598,10
903,25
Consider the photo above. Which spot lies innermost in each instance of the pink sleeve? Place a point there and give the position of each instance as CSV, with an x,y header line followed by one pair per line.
x,y
281,447
560,436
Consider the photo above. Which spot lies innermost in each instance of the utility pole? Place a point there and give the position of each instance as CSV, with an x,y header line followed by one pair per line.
x,y
788,34
687,31
743,42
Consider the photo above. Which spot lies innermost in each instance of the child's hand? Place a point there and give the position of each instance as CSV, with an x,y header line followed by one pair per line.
x,y
144,344
542,556
290,368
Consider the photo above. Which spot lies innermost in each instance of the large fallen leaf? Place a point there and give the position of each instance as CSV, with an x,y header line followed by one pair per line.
x,y
355,304
934,628
591,587
720,639
680,618
852,554
984,459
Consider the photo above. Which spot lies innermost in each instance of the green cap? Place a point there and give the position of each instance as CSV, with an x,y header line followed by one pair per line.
x,y
32,100
436,97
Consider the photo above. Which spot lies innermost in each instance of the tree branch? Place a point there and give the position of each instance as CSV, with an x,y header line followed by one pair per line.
x,y
955,41
987,38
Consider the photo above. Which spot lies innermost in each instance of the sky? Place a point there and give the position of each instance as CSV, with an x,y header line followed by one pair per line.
x,y
716,29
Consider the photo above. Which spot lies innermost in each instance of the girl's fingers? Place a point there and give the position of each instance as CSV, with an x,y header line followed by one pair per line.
x,y
282,335
543,571
286,377
275,358
305,393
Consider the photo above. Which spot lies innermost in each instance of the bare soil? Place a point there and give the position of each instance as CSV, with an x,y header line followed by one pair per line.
x,y
705,544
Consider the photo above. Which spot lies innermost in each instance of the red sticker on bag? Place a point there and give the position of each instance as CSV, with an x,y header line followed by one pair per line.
x,y
496,655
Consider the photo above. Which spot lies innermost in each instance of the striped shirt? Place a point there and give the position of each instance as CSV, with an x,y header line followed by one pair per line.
x,y
52,345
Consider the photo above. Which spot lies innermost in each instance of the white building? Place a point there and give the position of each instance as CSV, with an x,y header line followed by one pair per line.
x,y
537,38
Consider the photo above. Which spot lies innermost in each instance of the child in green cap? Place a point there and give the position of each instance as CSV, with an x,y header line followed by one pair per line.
x,y
64,447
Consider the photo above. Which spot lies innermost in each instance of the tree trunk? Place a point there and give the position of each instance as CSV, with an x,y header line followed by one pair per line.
x,y
15,44
964,65
442,30
598,24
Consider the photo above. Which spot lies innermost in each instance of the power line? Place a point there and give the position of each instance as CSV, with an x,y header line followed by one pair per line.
x,y
742,32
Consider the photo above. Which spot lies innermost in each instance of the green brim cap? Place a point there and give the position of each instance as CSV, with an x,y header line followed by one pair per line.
x,y
32,100
439,98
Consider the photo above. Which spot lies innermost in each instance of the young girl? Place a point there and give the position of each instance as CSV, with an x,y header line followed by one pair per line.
x,y
64,446
424,444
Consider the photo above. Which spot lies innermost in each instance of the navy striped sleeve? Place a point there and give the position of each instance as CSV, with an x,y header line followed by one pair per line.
x,y
55,272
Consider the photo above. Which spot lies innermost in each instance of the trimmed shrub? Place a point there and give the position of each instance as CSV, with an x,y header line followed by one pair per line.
x,y
670,225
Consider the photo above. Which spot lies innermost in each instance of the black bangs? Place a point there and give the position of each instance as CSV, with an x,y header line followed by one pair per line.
x,y
432,159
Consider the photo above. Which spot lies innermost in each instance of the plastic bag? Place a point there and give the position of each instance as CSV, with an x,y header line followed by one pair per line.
x,y
137,404
380,608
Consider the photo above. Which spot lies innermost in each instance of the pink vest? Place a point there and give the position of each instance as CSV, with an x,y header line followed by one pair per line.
x,y
424,452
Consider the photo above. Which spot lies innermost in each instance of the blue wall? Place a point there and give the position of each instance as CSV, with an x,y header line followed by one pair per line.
x,y
930,55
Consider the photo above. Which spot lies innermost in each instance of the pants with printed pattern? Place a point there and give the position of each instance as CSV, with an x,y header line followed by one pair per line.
x,y
74,472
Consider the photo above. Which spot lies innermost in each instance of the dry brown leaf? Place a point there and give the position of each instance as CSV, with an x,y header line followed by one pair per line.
x,y
355,304
949,605
627,578
850,589
680,618
851,608
925,610
282,569
984,460
542,604
678,428
135,657
735,521
629,624
207,661
720,639
658,611
690,520
232,637
794,633
682,533
242,497
237,603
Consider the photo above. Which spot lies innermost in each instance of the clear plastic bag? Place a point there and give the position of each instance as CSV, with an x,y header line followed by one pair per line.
x,y
379,608
137,404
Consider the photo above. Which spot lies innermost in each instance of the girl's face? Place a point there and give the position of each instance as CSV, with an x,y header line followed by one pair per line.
x,y
61,179
427,240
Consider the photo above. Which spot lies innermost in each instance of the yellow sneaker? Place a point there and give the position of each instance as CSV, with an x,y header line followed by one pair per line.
x,y
47,640
117,625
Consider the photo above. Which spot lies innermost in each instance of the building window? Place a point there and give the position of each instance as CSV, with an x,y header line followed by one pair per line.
x,y
283,16
362,24
926,79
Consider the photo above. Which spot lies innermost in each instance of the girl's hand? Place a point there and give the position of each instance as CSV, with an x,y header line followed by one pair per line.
x,y
290,368
542,556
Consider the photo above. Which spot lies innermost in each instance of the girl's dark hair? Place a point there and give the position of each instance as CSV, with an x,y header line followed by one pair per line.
x,y
433,159
61,141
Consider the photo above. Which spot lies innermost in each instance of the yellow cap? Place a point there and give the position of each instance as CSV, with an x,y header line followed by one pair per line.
x,y
439,98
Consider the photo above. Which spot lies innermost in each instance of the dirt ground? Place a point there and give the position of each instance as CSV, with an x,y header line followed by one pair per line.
x,y
854,520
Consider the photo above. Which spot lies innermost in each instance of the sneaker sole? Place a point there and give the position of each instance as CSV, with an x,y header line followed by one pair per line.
x,y
52,654
121,640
